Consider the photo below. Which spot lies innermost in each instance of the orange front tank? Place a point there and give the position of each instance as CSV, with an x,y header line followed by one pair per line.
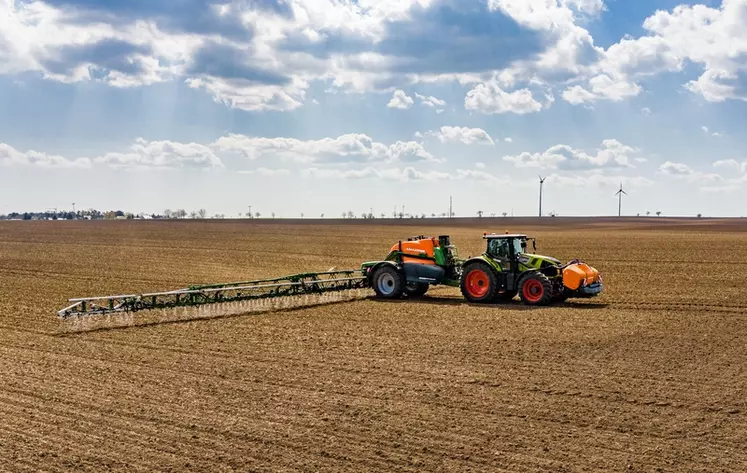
x,y
575,274
417,247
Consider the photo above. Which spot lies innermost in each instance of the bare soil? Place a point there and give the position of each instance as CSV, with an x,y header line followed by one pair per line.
x,y
648,377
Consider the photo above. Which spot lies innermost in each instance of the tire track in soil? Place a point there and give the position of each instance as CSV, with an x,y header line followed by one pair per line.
x,y
551,420
433,376
86,418
344,365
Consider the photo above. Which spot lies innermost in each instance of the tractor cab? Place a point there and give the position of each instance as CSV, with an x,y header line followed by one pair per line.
x,y
507,249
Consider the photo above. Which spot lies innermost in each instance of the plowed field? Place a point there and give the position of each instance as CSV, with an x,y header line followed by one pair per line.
x,y
649,377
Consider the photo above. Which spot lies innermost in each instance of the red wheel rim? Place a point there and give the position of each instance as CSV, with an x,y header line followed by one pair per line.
x,y
477,283
533,290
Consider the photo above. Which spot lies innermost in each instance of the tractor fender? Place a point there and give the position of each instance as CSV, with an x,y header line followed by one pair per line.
x,y
370,270
481,259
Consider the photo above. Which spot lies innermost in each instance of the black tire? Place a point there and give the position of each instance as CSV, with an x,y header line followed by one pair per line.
x,y
388,282
505,296
475,276
416,289
535,289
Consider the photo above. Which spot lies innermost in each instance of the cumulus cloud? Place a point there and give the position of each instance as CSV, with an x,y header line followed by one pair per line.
x,y
400,100
599,180
732,165
162,154
406,174
464,135
489,98
612,154
266,55
713,38
347,148
682,170
430,101
11,156
266,172
602,87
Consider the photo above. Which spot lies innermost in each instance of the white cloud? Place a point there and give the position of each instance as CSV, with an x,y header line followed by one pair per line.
x,y
480,165
352,147
681,170
714,38
599,180
430,101
11,156
646,111
406,174
400,100
465,135
489,98
162,154
244,95
603,87
266,172
394,174
611,154
732,165
508,140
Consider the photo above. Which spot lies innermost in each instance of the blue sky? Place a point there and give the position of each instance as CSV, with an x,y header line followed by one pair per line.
x,y
325,106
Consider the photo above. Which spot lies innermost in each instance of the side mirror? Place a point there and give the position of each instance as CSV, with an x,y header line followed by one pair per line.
x,y
534,245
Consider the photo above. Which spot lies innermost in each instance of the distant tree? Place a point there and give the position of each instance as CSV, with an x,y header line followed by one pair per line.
x,y
257,214
26,216
321,216
433,215
344,215
273,214
181,213
383,215
350,214
658,213
443,214
492,215
479,214
504,214
202,213
301,214
700,215
193,214
648,212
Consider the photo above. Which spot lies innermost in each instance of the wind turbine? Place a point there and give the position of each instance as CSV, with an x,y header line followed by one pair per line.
x,y
619,195
542,181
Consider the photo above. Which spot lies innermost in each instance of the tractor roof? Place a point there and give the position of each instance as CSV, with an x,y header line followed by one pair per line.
x,y
491,236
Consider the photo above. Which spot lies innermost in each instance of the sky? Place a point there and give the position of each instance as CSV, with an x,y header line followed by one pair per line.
x,y
327,106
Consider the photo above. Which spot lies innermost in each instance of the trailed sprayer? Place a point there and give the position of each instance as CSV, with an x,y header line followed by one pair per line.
x,y
506,269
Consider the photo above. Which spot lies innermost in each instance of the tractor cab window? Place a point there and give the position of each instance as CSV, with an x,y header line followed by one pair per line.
x,y
520,246
499,248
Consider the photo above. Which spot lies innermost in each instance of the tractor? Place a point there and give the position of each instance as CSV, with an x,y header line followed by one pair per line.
x,y
504,270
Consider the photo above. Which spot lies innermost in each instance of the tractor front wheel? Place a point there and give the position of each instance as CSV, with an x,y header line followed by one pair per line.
x,y
479,282
535,289
416,289
388,283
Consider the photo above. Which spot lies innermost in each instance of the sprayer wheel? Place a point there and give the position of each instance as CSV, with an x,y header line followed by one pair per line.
x,y
416,289
388,283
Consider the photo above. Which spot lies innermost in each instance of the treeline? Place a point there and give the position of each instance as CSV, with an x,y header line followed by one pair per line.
x,y
93,214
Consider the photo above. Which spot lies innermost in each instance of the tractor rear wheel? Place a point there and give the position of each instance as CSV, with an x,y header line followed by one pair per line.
x,y
388,283
535,289
416,289
479,282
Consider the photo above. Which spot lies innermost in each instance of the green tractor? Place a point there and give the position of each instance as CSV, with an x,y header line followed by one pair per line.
x,y
504,270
